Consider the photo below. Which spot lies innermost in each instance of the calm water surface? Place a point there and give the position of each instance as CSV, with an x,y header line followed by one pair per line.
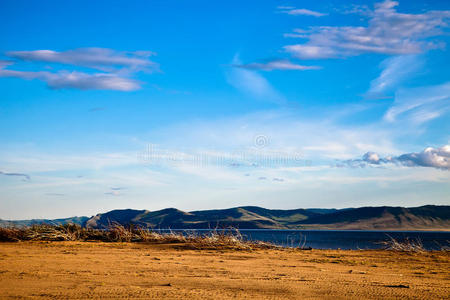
x,y
343,239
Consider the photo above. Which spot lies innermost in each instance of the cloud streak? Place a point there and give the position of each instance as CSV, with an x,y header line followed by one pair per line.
x,y
420,105
116,67
117,188
77,80
299,11
115,191
25,176
97,58
278,64
388,32
396,70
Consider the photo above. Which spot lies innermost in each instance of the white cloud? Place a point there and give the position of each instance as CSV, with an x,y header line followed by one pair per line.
x,y
310,51
430,157
279,64
438,158
388,32
372,158
299,11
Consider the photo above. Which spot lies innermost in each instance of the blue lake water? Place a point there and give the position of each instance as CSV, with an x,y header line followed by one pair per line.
x,y
340,239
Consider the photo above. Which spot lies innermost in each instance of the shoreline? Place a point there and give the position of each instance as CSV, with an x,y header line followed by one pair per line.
x,y
437,230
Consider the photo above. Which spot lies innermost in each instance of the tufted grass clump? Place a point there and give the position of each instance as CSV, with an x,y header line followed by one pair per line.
x,y
230,239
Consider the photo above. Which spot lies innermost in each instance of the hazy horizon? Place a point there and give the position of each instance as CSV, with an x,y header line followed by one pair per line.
x,y
206,105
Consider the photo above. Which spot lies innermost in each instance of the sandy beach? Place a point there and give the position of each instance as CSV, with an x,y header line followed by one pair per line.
x,y
80,270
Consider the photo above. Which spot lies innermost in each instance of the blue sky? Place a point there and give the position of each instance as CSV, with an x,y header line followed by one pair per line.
x,y
201,104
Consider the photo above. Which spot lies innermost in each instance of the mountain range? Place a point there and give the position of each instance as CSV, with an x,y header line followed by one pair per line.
x,y
429,217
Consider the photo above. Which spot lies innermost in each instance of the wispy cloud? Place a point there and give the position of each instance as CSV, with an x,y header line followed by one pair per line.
x,y
116,67
290,10
420,105
97,58
77,80
5,63
388,32
251,83
320,137
278,64
354,9
26,162
438,158
114,191
117,188
278,179
395,71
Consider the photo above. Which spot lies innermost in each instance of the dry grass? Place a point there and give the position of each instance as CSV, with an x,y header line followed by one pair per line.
x,y
406,245
216,239
230,239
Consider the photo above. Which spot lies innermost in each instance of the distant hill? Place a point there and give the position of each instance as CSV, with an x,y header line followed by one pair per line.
x,y
385,217
74,220
429,217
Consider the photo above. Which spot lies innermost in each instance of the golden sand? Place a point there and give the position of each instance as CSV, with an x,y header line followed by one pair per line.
x,y
82,270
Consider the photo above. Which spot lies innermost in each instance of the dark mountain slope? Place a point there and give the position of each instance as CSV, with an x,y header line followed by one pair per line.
x,y
284,216
121,216
428,217
252,217
239,217
385,217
